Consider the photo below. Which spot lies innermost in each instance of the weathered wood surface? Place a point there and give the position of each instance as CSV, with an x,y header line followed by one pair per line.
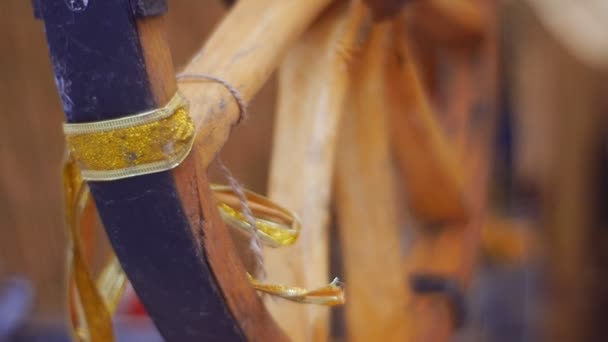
x,y
200,207
313,83
244,38
368,203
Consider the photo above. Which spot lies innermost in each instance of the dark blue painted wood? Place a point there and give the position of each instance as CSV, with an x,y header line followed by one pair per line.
x,y
147,8
101,74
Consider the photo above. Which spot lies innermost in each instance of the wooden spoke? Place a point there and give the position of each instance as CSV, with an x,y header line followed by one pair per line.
x,y
313,81
243,39
367,201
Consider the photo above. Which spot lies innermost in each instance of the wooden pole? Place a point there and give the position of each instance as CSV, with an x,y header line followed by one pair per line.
x,y
243,51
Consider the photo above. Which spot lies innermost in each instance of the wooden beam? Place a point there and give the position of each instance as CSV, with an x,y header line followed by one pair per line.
x,y
244,39
367,201
313,82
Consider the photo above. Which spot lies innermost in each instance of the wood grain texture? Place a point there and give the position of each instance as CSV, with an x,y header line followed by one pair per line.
x,y
432,176
368,205
192,184
244,38
313,81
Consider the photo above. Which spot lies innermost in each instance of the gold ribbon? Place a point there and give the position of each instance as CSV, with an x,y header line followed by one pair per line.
x,y
276,226
148,142
140,144
92,320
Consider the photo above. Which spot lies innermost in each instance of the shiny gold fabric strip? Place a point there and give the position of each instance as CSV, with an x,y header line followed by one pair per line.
x,y
144,143
92,321
276,226
329,295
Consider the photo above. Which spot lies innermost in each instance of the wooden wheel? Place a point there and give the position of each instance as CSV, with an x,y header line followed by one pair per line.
x,y
352,99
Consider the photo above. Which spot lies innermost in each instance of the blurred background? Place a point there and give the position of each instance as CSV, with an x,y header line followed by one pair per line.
x,y
548,175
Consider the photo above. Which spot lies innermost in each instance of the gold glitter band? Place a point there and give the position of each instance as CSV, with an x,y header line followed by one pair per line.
x,y
144,143
276,226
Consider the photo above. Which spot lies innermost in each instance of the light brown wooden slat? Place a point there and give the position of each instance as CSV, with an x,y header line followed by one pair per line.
x,y
313,81
243,39
368,205
248,310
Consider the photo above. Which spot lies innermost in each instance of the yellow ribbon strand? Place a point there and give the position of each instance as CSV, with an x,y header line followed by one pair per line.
x,y
92,321
276,226
329,295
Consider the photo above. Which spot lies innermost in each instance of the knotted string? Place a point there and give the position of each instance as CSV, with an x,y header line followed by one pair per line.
x,y
236,94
